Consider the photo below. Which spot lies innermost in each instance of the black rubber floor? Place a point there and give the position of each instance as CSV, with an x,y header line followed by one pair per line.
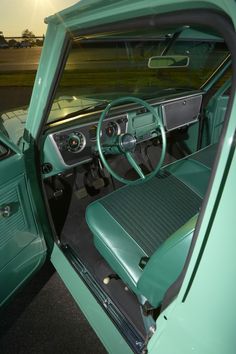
x,y
43,318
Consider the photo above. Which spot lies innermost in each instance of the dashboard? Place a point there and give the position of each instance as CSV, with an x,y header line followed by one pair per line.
x,y
73,143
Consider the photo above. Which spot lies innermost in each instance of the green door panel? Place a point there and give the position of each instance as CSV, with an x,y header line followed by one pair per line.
x,y
95,314
18,230
22,249
18,269
12,165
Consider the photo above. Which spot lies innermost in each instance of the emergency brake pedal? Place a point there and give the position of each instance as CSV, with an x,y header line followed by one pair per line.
x,y
58,193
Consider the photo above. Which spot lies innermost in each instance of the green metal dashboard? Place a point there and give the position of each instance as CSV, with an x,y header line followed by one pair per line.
x,y
72,142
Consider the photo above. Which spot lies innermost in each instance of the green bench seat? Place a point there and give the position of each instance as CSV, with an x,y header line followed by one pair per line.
x,y
153,221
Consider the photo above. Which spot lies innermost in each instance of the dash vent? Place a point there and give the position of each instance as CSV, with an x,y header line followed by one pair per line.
x,y
47,168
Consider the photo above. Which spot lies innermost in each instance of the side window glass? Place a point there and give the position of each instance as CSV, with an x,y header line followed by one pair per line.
x,y
19,59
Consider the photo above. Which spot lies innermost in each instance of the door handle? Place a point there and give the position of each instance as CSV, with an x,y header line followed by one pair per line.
x,y
5,211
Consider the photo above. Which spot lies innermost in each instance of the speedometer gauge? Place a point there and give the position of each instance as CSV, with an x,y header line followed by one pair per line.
x,y
76,142
112,129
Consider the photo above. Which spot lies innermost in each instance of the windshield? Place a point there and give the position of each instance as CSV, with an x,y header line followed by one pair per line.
x,y
100,70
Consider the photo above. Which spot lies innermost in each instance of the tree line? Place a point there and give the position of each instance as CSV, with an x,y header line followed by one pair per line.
x,y
27,39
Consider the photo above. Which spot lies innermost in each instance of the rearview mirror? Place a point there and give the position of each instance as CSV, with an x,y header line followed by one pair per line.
x,y
171,61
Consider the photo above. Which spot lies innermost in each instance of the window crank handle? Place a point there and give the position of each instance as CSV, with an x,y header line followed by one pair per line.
x,y
5,211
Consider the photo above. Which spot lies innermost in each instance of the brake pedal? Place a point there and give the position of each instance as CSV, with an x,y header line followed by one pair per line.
x,y
98,183
81,193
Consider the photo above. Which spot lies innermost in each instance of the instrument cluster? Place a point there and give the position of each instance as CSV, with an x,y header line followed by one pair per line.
x,y
79,142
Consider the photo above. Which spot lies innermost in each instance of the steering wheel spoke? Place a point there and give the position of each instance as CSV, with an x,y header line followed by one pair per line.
x,y
134,164
110,147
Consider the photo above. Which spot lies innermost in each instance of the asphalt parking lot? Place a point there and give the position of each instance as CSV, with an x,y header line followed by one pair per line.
x,y
43,318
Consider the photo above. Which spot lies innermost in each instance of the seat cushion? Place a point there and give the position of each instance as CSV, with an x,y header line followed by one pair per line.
x,y
135,221
132,222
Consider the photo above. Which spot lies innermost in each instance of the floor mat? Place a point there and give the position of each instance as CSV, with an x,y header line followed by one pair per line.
x,y
78,236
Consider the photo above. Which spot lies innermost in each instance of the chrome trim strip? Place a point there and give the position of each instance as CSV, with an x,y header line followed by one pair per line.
x,y
130,107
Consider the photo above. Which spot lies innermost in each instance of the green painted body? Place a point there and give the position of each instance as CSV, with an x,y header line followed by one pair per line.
x,y
94,313
200,318
212,289
22,246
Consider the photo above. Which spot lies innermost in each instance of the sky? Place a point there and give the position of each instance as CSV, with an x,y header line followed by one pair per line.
x,y
18,15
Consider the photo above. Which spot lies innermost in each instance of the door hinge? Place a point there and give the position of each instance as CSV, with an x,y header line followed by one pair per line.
x,y
151,331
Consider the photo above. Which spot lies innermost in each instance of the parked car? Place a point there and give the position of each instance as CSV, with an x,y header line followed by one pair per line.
x,y
4,46
122,171
17,45
25,44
